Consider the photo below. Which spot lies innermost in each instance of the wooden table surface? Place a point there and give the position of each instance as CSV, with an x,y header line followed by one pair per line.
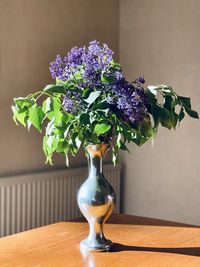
x,y
138,242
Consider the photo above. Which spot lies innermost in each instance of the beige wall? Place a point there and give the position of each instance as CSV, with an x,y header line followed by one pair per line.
x,y
161,39
158,38
32,33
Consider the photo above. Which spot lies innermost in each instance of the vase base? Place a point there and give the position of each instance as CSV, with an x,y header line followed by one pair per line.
x,y
100,247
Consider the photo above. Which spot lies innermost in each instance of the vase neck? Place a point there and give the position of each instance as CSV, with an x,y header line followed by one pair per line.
x,y
95,158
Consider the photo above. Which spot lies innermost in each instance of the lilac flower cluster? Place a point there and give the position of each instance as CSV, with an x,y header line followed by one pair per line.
x,y
72,102
130,99
91,64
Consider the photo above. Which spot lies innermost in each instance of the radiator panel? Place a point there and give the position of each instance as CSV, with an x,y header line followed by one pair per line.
x,y
34,200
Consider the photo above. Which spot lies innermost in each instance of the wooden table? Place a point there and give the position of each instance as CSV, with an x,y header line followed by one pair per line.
x,y
138,241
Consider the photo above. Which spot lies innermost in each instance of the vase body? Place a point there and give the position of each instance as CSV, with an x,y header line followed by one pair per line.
x,y
96,199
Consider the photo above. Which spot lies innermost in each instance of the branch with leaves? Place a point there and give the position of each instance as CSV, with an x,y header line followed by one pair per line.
x,y
92,102
66,133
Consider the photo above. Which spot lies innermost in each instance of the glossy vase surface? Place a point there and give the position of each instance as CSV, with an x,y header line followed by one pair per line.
x,y
96,199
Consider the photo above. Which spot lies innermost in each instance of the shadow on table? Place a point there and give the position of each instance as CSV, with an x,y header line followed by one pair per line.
x,y
138,220
190,251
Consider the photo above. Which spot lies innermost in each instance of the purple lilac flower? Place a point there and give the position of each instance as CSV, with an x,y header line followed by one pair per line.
x,y
71,102
110,100
93,62
132,101
56,67
75,56
140,79
119,76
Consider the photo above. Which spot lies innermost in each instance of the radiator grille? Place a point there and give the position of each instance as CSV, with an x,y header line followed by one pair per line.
x,y
34,200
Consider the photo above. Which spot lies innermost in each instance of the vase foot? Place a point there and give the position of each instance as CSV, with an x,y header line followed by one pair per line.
x,y
97,247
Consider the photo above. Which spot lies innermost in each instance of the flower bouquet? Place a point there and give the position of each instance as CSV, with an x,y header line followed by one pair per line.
x,y
92,105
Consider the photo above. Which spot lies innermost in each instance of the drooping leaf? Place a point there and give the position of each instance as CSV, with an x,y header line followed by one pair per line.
x,y
50,127
58,117
50,115
62,145
155,112
152,89
79,139
36,116
192,113
185,101
52,143
168,102
84,119
146,129
57,89
21,117
22,103
181,114
115,154
92,97
166,118
56,104
47,151
46,106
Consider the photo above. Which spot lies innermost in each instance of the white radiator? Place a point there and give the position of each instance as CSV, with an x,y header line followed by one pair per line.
x,y
33,200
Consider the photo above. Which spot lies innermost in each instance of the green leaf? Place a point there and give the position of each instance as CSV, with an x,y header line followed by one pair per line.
x,y
84,119
120,144
146,129
52,143
166,90
115,155
152,89
192,113
36,116
168,102
105,78
78,75
155,112
50,127
92,97
86,92
79,139
22,117
101,106
47,151
166,118
65,118
46,106
181,114
127,131
68,129
100,129
57,89
56,104
22,103
50,115
58,117
185,101
62,145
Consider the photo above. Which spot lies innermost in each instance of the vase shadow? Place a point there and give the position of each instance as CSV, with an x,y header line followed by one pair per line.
x,y
189,251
